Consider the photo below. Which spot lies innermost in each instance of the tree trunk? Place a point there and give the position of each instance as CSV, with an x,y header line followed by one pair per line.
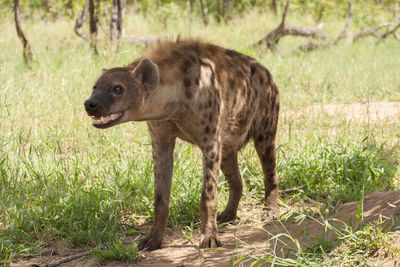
x,y
117,19
105,4
46,5
320,11
79,21
203,13
27,48
225,8
93,26
191,5
274,7
191,10
114,20
121,15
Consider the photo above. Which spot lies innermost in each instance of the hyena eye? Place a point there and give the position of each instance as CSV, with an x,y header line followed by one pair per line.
x,y
117,90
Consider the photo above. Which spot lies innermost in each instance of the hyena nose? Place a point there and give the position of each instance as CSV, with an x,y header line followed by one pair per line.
x,y
90,105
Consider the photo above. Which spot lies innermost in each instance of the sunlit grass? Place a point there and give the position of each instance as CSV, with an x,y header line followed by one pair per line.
x,y
367,245
117,251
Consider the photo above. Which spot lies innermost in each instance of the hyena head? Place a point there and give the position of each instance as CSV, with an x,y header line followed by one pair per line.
x,y
119,93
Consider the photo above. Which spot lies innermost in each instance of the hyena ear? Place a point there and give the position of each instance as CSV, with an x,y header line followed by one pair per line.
x,y
103,70
147,73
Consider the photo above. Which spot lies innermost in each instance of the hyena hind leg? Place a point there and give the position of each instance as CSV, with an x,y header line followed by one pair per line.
x,y
265,146
230,169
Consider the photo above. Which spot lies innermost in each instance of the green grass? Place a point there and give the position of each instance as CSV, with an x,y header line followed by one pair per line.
x,y
118,252
352,247
340,171
61,179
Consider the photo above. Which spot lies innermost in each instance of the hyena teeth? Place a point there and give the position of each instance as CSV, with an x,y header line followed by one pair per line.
x,y
105,119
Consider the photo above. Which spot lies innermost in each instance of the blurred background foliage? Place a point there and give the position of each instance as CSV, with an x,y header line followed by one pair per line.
x,y
220,10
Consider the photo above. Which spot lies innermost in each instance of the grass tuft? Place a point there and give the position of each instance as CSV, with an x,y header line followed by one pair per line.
x,y
118,252
339,172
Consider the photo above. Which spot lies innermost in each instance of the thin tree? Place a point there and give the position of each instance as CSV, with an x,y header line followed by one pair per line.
x,y
27,48
274,6
93,26
79,21
105,5
191,6
203,13
117,19
121,15
225,8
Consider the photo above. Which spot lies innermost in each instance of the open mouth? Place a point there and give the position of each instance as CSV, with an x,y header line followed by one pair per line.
x,y
106,120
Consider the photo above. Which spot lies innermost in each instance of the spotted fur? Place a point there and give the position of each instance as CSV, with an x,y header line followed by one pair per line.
x,y
210,96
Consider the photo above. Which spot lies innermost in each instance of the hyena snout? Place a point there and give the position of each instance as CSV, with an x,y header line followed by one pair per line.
x,y
91,105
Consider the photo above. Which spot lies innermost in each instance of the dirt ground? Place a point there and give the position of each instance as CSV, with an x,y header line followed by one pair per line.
x,y
252,237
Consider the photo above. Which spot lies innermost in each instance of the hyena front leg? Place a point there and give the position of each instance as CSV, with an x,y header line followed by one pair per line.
x,y
208,203
163,142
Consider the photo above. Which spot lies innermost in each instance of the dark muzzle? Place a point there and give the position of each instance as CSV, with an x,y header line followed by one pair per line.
x,y
91,105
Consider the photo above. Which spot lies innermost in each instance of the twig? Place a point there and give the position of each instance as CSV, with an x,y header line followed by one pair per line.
x,y
40,254
291,190
63,260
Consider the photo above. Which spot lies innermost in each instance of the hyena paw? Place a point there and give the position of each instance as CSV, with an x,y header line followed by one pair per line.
x,y
226,216
209,241
150,243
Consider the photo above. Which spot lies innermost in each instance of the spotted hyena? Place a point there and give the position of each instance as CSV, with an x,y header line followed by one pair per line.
x,y
210,96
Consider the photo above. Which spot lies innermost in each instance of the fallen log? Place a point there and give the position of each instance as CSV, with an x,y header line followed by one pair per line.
x,y
322,39
284,29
